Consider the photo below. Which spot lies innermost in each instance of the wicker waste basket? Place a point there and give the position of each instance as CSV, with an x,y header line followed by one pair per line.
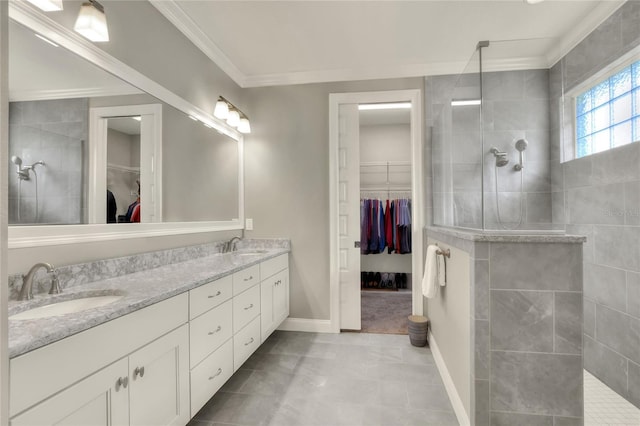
x,y
418,327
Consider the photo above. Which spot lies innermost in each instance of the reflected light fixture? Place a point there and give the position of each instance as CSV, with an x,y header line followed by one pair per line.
x,y
92,22
225,110
47,5
533,1
467,102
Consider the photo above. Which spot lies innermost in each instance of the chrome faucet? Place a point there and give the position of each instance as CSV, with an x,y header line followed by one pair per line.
x,y
230,245
26,292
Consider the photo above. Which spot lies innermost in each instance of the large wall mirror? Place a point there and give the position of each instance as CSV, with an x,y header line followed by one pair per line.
x,y
95,157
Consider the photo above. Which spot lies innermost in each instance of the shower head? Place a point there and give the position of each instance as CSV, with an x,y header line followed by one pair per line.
x,y
521,144
501,160
16,160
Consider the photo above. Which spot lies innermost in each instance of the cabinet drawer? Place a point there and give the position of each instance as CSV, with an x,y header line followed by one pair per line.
x,y
245,343
245,279
209,296
272,266
210,375
209,331
246,306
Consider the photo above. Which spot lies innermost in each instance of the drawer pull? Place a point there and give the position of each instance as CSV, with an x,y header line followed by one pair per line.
x,y
249,342
122,381
249,279
219,372
214,295
278,282
139,371
248,307
211,333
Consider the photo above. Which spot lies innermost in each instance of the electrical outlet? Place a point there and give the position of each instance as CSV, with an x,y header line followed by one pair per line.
x,y
248,224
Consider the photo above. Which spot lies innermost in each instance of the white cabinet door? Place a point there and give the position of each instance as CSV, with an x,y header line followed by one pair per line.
x,y
274,302
100,399
159,381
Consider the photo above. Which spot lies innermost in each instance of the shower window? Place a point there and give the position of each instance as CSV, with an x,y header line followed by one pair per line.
x,y
608,113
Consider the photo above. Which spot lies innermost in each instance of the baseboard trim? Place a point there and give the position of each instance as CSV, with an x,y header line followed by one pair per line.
x,y
458,406
308,325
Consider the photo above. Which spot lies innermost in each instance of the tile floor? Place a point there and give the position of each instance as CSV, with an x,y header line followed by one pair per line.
x,y
604,407
309,379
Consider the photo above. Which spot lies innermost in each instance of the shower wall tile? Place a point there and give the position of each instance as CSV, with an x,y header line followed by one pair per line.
x,y
510,115
516,384
538,148
568,323
633,294
597,205
482,350
617,246
588,247
482,402
629,24
606,286
558,208
481,289
616,165
536,267
467,177
539,207
508,85
577,173
619,332
512,419
568,421
537,176
634,383
632,203
467,146
610,367
536,84
522,321
589,314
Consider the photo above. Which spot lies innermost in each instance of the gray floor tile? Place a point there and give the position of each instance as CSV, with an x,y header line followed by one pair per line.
x,y
311,379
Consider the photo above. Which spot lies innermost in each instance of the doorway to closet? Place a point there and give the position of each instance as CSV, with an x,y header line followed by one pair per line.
x,y
385,217
375,157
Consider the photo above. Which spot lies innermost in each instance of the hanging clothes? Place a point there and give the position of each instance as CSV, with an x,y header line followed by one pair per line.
x,y
385,225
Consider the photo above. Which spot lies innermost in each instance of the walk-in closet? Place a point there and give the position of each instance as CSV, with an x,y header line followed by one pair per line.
x,y
385,220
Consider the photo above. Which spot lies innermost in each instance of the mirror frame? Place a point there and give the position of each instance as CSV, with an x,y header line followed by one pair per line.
x,y
47,235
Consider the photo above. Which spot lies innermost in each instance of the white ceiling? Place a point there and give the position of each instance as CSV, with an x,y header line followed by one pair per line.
x,y
261,43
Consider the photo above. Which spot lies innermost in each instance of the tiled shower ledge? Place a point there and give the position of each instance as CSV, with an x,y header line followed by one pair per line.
x,y
507,236
140,288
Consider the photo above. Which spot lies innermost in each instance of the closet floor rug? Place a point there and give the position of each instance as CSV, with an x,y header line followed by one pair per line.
x,y
385,312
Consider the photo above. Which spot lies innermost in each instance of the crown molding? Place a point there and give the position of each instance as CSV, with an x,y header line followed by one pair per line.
x,y
88,92
174,13
586,26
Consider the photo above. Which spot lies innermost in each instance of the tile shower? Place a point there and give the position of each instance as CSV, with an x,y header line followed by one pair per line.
x,y
54,132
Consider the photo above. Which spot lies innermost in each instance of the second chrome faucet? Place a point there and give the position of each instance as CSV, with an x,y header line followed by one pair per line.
x,y
26,292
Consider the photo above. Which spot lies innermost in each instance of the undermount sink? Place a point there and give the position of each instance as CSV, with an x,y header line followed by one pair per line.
x,y
66,307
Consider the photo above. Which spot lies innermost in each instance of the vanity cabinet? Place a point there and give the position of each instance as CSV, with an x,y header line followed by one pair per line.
x,y
274,290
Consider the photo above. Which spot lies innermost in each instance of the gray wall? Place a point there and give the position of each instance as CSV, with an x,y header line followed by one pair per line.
x,y
598,196
287,179
54,132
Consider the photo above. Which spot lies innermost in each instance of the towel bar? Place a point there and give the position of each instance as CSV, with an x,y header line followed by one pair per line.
x,y
446,253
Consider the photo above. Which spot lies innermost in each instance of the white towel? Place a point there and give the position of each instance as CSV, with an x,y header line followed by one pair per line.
x,y
429,287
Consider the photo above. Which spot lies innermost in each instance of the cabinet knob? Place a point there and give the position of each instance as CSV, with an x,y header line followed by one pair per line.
x,y
219,372
139,371
248,307
211,333
211,296
249,342
121,382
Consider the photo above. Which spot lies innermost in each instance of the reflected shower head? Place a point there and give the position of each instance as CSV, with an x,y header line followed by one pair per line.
x,y
521,144
501,160
16,160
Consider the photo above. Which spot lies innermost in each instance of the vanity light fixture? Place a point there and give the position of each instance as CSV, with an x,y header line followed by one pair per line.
x,y
92,22
47,5
225,110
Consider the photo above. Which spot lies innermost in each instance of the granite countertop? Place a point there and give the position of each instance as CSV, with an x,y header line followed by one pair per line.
x,y
508,236
139,290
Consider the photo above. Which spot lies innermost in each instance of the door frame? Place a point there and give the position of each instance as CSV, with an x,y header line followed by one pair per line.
x,y
417,192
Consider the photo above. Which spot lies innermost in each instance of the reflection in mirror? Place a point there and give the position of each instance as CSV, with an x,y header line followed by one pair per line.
x,y
123,169
52,95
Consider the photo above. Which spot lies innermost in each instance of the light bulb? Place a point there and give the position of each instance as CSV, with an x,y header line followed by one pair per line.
x,y
221,110
234,118
244,126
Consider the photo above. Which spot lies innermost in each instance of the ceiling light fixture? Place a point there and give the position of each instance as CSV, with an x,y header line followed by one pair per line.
x,y
225,110
533,1
47,5
46,40
395,105
467,102
92,22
